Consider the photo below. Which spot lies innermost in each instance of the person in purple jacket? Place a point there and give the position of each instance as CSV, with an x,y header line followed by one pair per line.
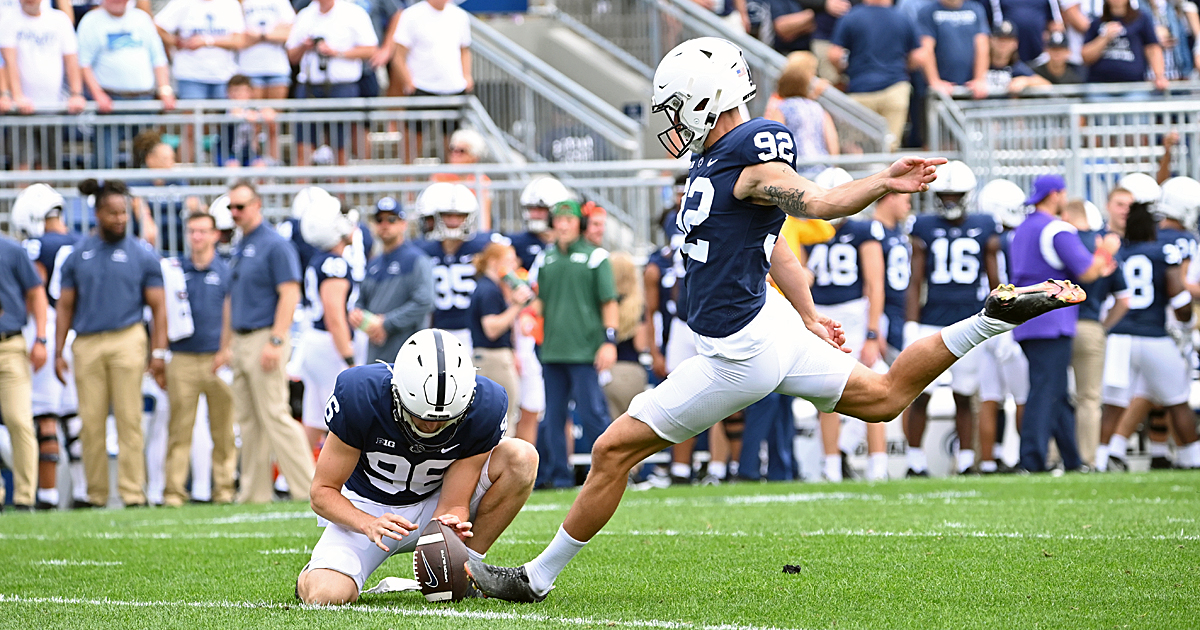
x,y
1044,246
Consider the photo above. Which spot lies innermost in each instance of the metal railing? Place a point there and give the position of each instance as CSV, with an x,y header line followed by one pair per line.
x,y
648,29
543,113
1092,134
291,131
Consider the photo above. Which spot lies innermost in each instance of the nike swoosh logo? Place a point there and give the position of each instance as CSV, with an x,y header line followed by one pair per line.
x,y
447,450
432,582
713,161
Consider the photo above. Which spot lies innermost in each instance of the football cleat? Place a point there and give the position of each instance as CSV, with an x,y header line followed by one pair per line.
x,y
1159,462
1117,464
1017,305
913,473
510,584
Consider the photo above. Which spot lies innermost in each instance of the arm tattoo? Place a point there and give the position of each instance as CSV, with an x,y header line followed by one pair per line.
x,y
790,200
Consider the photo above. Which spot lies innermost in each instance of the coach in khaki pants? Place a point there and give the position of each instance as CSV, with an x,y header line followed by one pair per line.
x,y
20,293
106,283
264,291
193,367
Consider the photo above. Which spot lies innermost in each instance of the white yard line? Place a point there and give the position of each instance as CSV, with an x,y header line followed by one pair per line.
x,y
76,563
446,613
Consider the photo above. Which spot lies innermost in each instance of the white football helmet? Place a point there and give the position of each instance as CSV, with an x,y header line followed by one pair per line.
x,y
953,190
219,209
694,83
1181,201
306,197
434,381
1143,187
1003,200
324,225
1094,217
33,205
832,177
542,192
445,198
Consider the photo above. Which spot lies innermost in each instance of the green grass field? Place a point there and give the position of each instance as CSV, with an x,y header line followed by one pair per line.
x,y
1080,551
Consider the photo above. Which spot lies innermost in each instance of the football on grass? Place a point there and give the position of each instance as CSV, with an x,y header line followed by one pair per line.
x,y
438,563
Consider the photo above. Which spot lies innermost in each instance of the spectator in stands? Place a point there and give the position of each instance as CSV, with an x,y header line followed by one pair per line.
x,y
195,359
954,39
1057,69
245,143
159,216
1031,19
264,59
497,302
263,293
1007,74
811,126
882,47
627,376
39,49
467,146
1045,247
106,283
828,12
329,41
206,34
396,296
21,296
433,52
1121,47
78,9
595,223
1077,16
792,24
1171,27
579,302
734,14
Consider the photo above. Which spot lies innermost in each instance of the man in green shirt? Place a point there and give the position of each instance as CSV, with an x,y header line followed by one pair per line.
x,y
579,303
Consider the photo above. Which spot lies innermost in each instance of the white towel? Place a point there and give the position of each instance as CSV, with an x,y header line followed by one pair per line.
x,y
179,310
1116,361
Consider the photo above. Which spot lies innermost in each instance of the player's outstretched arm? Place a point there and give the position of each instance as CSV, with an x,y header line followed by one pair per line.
x,y
792,281
777,184
334,466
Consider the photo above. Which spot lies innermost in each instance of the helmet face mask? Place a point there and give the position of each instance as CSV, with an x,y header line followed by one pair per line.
x,y
536,200
953,190
678,138
950,206
694,83
444,198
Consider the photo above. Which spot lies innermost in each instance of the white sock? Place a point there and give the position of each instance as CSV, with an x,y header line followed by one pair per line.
x,y
1189,456
1102,457
1118,446
48,495
877,467
833,467
853,433
916,459
679,469
966,459
543,569
987,466
78,481
475,555
1159,449
717,469
961,336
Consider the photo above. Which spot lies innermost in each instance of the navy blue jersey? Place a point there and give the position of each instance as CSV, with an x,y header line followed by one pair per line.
x,y
955,275
670,288
454,280
1183,240
391,470
1099,289
51,250
837,275
897,269
528,246
321,267
1145,268
290,229
728,241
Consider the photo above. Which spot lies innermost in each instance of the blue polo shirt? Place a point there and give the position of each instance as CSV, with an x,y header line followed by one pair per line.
x,y
487,300
206,289
261,262
109,281
17,277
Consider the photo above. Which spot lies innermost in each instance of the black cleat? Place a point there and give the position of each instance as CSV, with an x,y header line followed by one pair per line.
x,y
510,584
913,473
1161,462
1017,305
1117,464
44,505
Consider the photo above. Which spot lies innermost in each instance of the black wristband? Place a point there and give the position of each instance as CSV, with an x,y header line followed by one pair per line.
x,y
349,360
610,335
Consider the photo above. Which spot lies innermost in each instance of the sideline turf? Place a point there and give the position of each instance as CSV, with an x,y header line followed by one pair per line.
x,y
1081,551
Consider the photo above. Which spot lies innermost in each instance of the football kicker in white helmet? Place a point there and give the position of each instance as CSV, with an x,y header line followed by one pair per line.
x,y
1143,187
444,200
539,196
1181,201
953,190
307,197
1005,201
433,381
694,83
33,205
324,225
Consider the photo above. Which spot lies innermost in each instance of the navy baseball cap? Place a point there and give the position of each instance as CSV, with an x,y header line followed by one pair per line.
x,y
1043,186
389,204
1004,29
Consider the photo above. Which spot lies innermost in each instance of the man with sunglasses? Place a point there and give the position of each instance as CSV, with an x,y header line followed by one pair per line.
x,y
408,443
263,292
